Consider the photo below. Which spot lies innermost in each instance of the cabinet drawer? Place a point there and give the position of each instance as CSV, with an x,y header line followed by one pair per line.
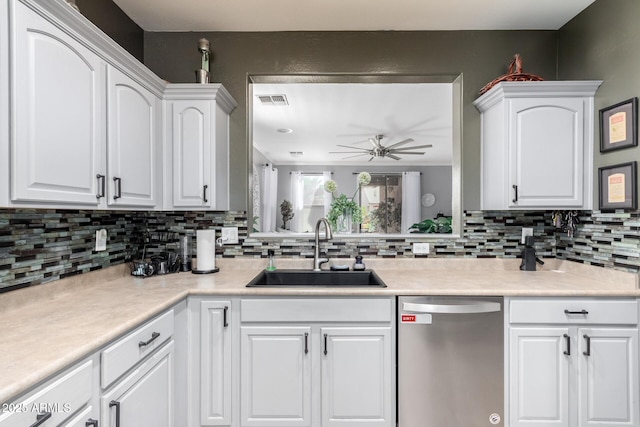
x,y
574,311
119,357
316,310
57,400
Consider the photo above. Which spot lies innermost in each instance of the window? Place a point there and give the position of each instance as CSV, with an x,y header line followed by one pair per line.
x,y
381,201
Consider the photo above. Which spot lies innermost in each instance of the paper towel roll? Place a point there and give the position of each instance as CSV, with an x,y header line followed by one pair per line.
x,y
206,249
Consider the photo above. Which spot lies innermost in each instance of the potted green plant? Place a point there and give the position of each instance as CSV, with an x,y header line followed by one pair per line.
x,y
345,211
286,210
441,224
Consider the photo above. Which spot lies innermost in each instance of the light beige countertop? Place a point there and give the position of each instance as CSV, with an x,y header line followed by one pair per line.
x,y
48,327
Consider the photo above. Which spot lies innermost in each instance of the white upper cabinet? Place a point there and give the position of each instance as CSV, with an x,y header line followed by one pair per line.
x,y
133,142
537,145
197,146
85,116
57,145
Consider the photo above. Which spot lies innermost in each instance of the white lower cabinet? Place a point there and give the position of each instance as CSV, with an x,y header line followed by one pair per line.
x,y
215,377
276,376
333,366
145,396
573,362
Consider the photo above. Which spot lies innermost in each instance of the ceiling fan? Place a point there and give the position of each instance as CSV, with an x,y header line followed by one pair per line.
x,y
379,150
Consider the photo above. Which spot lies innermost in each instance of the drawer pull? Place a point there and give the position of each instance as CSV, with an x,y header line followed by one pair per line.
x,y
101,180
91,423
515,189
118,183
204,193
581,312
325,345
567,352
588,339
117,405
150,340
224,316
41,418
306,342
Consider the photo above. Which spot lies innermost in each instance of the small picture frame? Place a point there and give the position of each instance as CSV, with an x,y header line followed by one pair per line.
x,y
619,126
618,186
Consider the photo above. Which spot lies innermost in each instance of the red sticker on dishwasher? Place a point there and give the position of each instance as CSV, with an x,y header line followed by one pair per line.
x,y
408,318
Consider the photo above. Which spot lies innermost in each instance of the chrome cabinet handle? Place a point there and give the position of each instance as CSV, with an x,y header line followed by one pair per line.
x,y
567,352
91,423
224,316
325,345
515,189
101,183
118,183
588,339
150,340
306,343
582,312
117,405
204,193
41,417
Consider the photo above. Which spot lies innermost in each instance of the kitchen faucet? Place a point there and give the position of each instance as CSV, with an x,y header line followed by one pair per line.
x,y
317,261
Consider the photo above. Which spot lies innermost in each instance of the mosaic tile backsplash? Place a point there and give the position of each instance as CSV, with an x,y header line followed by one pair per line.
x,y
39,246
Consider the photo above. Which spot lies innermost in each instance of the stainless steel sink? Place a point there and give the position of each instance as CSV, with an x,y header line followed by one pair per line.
x,y
283,278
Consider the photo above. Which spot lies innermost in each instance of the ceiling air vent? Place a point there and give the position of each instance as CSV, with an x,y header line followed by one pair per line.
x,y
273,100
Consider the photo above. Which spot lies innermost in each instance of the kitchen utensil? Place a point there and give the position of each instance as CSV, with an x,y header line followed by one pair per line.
x,y
142,268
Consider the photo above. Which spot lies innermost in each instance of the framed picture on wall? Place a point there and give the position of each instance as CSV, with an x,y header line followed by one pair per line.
x,y
618,186
619,126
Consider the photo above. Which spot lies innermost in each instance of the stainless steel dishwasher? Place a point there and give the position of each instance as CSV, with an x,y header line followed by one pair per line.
x,y
450,362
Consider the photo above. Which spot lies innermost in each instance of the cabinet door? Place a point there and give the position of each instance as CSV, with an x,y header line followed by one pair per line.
x,y
275,376
145,397
57,145
132,141
215,359
539,375
192,154
356,376
608,379
546,152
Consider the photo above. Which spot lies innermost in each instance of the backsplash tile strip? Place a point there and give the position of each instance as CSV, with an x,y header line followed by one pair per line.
x,y
43,245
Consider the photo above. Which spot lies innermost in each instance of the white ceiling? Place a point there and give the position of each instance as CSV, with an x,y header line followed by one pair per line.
x,y
350,15
325,115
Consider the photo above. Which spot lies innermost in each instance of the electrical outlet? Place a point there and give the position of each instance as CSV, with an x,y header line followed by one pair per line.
x,y
101,240
420,248
229,235
526,231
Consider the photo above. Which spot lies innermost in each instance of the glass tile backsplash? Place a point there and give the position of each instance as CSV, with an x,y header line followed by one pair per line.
x,y
41,245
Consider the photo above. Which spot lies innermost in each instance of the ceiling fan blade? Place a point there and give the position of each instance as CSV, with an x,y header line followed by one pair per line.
x,y
406,152
393,157
405,141
374,142
349,152
370,158
357,155
353,148
411,148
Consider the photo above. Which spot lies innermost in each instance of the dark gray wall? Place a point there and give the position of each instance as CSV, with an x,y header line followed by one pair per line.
x,y
107,16
603,43
480,55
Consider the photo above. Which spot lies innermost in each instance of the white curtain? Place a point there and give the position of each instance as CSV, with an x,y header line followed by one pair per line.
x,y
297,201
269,199
328,198
410,200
